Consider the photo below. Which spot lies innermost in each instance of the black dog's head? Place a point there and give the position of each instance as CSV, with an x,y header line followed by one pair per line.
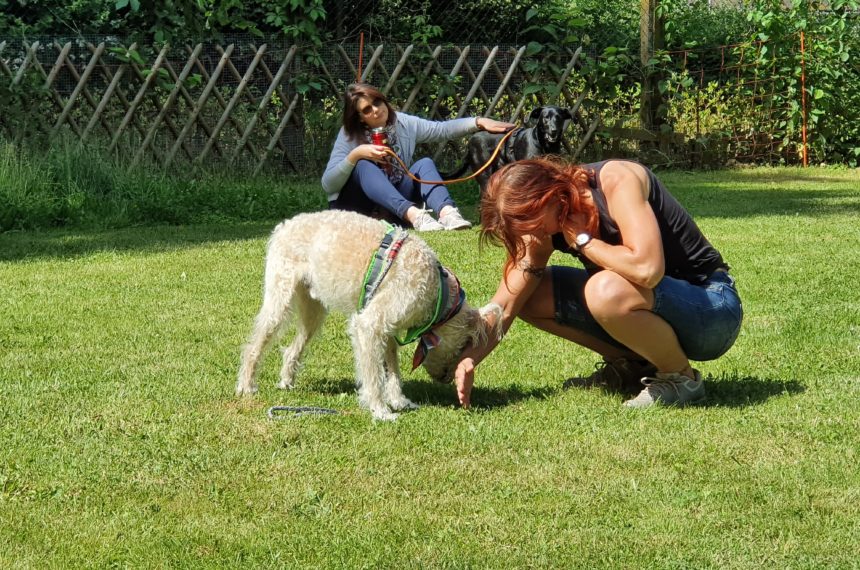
x,y
550,125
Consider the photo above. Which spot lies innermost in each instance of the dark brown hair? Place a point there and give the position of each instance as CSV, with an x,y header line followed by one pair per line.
x,y
518,194
352,124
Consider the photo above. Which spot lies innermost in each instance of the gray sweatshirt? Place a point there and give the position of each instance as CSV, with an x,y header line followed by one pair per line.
x,y
411,130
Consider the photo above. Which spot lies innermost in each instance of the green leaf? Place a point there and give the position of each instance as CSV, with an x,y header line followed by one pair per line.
x,y
533,48
532,12
120,4
531,89
551,31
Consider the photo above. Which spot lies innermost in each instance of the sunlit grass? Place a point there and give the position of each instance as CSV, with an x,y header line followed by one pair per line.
x,y
123,444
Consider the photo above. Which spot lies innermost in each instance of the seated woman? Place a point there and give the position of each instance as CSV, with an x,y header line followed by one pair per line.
x,y
654,292
364,178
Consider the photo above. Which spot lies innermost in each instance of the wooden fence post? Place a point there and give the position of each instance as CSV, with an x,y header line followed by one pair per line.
x,y
650,41
169,109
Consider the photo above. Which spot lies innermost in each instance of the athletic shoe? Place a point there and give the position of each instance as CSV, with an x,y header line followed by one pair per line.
x,y
452,220
424,222
620,375
669,388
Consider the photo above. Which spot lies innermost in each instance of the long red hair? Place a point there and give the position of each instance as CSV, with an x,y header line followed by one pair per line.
x,y
519,193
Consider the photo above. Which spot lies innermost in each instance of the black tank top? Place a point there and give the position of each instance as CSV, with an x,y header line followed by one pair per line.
x,y
688,255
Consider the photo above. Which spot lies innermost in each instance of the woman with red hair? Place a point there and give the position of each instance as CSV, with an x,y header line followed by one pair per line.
x,y
653,294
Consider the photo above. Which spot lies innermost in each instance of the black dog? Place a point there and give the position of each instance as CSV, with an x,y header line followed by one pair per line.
x,y
543,138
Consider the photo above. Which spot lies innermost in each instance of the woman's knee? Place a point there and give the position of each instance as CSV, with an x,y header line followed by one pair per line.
x,y
609,295
423,163
363,167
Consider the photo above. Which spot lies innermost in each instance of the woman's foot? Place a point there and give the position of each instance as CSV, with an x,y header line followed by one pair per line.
x,y
621,375
422,221
669,388
451,219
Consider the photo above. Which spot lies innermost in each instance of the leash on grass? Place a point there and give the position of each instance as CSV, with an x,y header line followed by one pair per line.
x,y
281,412
487,164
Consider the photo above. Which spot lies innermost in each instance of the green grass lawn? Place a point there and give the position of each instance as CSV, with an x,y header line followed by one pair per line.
x,y
123,445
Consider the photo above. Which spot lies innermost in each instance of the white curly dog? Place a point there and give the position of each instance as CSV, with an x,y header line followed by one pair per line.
x,y
318,262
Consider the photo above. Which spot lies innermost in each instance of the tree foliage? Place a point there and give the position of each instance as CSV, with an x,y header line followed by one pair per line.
x,y
827,70
165,20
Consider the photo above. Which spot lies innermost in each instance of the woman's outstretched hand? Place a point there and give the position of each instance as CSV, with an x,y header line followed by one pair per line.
x,y
464,378
492,126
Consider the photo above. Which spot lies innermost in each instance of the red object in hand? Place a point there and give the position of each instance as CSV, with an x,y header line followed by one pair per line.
x,y
379,136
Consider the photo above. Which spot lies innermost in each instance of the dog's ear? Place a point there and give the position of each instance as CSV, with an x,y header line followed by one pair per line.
x,y
566,114
535,114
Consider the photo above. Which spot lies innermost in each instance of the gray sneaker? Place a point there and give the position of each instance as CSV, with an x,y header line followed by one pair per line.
x,y
620,375
669,388
424,222
453,220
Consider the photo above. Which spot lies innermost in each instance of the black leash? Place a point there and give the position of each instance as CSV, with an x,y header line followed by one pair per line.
x,y
298,411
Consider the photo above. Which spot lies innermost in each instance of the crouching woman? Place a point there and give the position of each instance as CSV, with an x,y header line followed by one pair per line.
x,y
653,294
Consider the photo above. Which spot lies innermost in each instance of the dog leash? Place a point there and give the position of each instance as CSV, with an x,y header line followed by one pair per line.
x,y
298,411
487,164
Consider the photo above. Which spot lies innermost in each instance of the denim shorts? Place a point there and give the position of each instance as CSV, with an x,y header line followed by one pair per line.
x,y
706,317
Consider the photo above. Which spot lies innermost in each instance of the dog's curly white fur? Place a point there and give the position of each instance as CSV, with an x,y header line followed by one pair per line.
x,y
316,263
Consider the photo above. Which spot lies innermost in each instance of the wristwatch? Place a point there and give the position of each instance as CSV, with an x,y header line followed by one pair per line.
x,y
582,240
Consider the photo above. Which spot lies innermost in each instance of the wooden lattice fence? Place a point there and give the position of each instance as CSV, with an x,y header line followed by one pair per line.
x,y
257,106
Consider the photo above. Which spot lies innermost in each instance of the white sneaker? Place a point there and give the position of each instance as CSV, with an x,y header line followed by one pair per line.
x,y
453,220
424,222
669,388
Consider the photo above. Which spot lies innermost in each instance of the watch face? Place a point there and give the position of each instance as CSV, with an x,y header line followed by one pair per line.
x,y
582,239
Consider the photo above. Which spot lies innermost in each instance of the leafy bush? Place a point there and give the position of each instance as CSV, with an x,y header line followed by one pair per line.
x,y
165,20
832,77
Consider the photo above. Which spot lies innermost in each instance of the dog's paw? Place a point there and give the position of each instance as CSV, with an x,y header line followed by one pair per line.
x,y
285,384
384,416
246,389
403,403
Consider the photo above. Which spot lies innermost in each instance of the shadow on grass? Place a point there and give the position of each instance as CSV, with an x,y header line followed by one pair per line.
x,y
426,393
483,398
730,391
741,391
68,244
714,200
723,195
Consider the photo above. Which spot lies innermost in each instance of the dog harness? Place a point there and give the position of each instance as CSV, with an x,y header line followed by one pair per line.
x,y
381,262
449,299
